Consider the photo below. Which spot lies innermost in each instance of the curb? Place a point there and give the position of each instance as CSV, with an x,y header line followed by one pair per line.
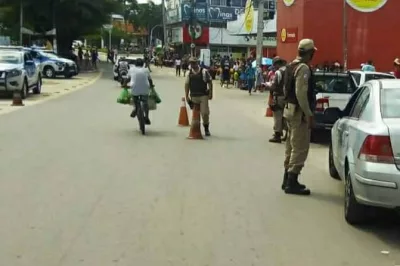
x,y
47,97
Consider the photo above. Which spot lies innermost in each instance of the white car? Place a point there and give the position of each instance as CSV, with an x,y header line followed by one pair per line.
x,y
365,148
360,77
18,72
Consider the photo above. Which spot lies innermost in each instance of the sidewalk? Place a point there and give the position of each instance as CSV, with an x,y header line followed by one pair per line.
x,y
51,89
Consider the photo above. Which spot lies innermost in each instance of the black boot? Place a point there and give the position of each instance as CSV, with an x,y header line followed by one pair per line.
x,y
294,187
207,130
285,178
276,138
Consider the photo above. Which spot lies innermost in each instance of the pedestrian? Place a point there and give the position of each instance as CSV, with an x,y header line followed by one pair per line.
x,y
396,71
299,109
369,66
94,59
184,66
225,72
199,90
278,104
250,77
259,78
178,63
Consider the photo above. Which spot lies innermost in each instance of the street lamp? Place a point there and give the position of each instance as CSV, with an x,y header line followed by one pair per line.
x,y
151,33
109,28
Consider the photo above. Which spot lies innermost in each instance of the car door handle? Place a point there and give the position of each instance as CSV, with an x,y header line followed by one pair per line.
x,y
346,133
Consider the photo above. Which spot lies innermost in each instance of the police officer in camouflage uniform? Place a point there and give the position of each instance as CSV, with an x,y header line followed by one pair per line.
x,y
299,110
278,99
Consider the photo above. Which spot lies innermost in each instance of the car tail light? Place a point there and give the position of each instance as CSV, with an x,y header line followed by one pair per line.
x,y
377,149
322,104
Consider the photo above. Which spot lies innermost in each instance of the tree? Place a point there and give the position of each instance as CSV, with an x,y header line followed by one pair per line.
x,y
73,18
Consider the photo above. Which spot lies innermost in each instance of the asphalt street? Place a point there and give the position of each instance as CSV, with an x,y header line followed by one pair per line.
x,y
81,186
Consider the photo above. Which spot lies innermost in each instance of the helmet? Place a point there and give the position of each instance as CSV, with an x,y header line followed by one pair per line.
x,y
139,62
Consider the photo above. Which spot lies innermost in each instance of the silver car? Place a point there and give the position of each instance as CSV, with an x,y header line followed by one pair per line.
x,y
18,72
365,148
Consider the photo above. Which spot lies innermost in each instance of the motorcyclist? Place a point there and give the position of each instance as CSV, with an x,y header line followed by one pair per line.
x,y
122,70
141,83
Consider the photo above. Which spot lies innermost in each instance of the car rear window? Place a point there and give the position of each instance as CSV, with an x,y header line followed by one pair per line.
x,y
333,84
390,102
377,76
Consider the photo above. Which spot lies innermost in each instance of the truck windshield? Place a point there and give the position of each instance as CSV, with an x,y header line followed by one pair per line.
x,y
333,84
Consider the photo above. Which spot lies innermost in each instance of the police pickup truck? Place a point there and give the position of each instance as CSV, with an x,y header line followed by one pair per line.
x,y
334,89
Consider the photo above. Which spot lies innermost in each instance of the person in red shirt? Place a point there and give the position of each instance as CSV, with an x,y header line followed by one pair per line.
x,y
397,68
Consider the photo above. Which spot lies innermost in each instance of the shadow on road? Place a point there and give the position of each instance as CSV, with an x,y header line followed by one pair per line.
x,y
385,224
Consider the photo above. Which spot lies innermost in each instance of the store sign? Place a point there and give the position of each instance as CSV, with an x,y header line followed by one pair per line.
x,y
288,2
289,35
176,35
220,13
200,11
201,35
366,5
173,16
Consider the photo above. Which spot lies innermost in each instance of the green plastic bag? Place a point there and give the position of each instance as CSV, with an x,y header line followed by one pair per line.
x,y
124,97
154,95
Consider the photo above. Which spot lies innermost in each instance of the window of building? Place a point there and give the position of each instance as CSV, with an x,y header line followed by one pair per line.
x,y
238,3
218,2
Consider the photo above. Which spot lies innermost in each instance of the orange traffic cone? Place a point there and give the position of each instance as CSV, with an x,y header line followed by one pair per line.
x,y
195,131
17,99
269,112
183,115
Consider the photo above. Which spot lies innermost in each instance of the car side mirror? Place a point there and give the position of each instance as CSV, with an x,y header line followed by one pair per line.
x,y
29,63
332,114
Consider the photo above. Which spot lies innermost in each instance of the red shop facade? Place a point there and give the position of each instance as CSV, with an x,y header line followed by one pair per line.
x,y
372,34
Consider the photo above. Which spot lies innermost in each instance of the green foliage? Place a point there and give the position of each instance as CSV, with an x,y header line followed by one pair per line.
x,y
76,18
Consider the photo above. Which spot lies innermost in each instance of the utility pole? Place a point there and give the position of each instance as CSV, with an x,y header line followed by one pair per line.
x,y
21,21
54,27
192,25
260,30
345,38
164,23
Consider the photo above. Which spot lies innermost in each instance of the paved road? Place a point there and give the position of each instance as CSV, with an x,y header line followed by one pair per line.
x,y
81,186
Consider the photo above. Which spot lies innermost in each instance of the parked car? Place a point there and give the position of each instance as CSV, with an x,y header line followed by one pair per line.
x,y
51,65
18,72
334,89
365,148
361,77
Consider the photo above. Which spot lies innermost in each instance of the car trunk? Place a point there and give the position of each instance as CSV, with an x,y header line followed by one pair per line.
x,y
393,125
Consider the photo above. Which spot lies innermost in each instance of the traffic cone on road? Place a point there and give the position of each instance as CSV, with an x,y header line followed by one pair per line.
x,y
195,130
269,112
17,99
183,115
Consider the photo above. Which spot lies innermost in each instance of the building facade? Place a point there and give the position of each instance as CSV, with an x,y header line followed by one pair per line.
x,y
212,29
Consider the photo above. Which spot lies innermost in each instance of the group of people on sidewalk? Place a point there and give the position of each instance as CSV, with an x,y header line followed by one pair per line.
x,y
293,107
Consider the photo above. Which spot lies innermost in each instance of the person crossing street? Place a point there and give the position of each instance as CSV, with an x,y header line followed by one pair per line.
x,y
199,90
300,97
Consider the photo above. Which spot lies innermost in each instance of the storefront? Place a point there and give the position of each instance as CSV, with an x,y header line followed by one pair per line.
x,y
370,35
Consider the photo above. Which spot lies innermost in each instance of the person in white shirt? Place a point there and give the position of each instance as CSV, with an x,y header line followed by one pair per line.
x,y
178,63
140,87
